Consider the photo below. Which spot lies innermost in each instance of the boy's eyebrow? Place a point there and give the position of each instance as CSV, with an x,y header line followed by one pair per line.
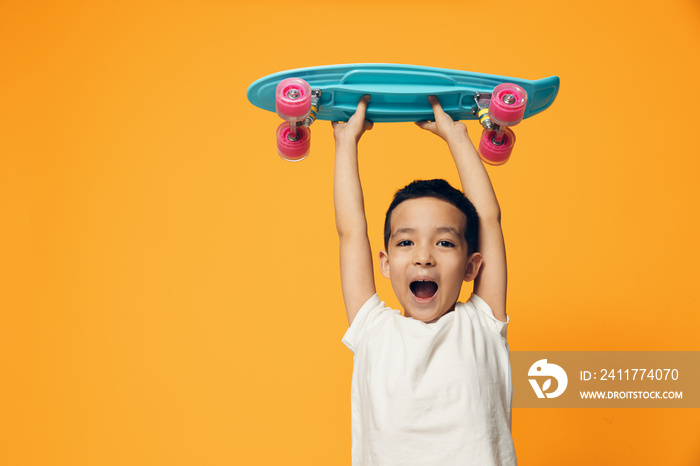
x,y
452,230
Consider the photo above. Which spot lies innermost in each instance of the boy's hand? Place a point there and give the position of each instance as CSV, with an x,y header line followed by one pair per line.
x,y
354,128
444,126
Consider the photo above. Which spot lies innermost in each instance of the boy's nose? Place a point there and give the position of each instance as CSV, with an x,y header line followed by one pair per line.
x,y
423,258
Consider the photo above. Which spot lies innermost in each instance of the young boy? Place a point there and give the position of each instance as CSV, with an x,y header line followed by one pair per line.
x,y
433,387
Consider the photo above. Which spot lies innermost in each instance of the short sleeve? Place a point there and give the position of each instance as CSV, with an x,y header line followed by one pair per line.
x,y
486,312
364,319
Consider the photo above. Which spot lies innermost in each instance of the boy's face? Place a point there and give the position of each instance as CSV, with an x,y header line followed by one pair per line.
x,y
427,258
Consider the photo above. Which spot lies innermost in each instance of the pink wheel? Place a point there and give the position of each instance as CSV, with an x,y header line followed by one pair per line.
x,y
293,99
508,102
293,149
494,152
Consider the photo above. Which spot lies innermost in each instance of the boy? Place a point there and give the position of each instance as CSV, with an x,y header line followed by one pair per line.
x,y
432,387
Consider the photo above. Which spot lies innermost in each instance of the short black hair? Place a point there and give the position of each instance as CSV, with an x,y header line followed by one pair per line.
x,y
439,189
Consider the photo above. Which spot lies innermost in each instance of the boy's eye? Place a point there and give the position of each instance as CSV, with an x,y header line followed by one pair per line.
x,y
406,242
446,244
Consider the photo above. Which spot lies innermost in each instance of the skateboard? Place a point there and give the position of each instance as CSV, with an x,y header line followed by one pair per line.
x,y
399,94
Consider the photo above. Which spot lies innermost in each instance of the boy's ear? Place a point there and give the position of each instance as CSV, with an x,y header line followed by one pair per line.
x,y
384,264
473,266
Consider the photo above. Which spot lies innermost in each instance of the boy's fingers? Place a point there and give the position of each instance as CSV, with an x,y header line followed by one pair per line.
x,y
435,103
362,106
429,125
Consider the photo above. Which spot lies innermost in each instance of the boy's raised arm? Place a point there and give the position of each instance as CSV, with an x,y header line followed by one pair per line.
x,y
491,282
356,270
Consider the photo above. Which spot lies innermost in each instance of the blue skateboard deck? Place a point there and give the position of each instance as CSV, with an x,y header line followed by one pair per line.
x,y
399,92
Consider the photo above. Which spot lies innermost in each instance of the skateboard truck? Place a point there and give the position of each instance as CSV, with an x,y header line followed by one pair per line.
x,y
315,107
481,109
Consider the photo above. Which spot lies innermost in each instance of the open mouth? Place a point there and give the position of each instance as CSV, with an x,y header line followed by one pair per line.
x,y
424,289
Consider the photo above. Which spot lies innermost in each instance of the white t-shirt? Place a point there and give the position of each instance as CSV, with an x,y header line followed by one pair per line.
x,y
430,394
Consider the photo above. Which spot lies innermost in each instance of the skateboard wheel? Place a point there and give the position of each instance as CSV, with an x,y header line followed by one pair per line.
x,y
293,149
508,102
495,153
293,99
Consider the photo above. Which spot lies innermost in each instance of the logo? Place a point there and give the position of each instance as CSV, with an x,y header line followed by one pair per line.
x,y
543,369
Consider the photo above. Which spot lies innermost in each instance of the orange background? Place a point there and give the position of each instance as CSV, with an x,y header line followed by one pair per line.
x,y
170,291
